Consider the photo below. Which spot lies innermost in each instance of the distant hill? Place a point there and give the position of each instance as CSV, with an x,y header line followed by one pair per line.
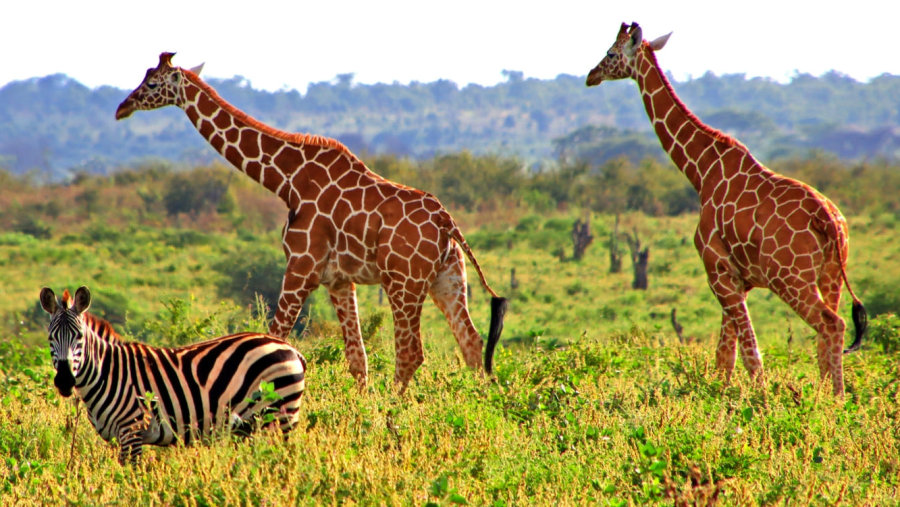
x,y
54,126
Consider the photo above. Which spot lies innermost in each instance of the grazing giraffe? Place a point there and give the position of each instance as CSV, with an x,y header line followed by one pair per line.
x,y
346,225
757,228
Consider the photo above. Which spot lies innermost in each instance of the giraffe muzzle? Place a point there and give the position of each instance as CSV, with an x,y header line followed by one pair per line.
x,y
594,77
124,110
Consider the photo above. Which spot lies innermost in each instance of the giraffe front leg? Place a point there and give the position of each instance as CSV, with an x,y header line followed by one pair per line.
x,y
406,306
729,289
343,297
296,286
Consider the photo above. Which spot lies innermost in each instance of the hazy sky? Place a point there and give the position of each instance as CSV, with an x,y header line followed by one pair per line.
x,y
283,44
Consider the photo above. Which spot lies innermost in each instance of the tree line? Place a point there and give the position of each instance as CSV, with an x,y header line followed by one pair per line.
x,y
56,127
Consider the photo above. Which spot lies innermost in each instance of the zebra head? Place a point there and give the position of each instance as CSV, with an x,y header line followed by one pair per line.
x,y
66,334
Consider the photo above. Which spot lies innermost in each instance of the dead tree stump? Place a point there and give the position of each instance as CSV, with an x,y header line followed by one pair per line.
x,y
615,258
639,260
581,237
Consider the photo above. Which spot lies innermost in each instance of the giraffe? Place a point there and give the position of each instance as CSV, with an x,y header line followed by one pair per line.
x,y
346,225
757,228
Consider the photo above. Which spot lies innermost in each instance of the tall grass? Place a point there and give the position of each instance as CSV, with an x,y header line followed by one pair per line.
x,y
595,400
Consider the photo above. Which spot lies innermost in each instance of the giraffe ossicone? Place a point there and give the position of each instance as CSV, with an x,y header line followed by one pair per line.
x,y
346,226
757,228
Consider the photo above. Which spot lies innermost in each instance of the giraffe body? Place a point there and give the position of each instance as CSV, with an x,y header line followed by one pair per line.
x,y
346,225
757,228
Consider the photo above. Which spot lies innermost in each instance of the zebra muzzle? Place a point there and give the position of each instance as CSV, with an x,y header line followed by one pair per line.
x,y
64,380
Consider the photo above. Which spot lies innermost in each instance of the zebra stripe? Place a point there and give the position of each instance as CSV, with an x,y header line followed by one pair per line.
x,y
140,394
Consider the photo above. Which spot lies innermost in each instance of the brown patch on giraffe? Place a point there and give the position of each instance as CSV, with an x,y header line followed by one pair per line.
x,y
664,108
326,158
232,135
217,142
648,104
341,212
269,144
206,128
350,180
696,146
250,143
222,120
288,160
192,115
271,178
664,138
190,93
678,156
328,198
419,216
206,106
234,156
310,151
253,170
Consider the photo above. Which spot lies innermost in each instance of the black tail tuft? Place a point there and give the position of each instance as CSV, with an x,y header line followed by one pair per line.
x,y
498,310
860,322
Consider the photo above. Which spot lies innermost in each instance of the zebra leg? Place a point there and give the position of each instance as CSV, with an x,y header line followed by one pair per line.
x,y
130,445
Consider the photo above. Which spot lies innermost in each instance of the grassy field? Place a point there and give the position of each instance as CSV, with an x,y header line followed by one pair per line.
x,y
595,399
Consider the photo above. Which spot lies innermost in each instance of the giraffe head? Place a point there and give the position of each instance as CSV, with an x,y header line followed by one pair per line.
x,y
161,87
619,62
66,335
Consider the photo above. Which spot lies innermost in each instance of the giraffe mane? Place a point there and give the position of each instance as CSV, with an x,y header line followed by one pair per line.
x,y
291,137
714,133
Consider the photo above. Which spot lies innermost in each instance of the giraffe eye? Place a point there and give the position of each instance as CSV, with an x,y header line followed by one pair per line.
x,y
151,85
610,54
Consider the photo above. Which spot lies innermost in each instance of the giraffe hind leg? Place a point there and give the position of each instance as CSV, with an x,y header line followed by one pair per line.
x,y
449,294
816,305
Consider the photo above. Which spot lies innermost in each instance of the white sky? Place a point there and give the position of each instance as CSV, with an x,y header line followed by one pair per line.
x,y
283,44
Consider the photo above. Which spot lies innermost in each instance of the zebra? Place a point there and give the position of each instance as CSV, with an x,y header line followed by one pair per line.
x,y
138,394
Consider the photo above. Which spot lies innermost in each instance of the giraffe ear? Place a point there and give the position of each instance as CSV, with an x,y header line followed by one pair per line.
x,y
660,42
48,300
197,69
637,36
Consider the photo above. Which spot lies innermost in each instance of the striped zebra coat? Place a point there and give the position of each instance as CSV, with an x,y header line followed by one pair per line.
x,y
140,395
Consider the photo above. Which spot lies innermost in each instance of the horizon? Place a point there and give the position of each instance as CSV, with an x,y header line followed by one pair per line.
x,y
402,42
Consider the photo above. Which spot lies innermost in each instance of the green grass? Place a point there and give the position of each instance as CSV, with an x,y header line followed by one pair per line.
x,y
595,400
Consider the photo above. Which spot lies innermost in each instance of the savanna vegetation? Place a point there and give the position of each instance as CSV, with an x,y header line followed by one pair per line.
x,y
595,400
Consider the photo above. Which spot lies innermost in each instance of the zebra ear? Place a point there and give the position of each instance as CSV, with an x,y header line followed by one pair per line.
x,y
82,299
48,300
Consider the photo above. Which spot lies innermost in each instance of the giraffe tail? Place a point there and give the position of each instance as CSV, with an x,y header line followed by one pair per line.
x,y
860,322
498,310
499,305
858,311
860,318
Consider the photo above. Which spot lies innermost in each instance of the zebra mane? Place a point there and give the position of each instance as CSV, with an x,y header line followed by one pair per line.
x,y
102,328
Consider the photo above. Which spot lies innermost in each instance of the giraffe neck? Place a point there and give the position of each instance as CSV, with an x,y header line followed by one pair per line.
x,y
268,156
698,150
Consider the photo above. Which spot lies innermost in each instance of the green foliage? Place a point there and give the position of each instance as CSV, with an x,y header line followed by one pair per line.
x,y
251,269
885,331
